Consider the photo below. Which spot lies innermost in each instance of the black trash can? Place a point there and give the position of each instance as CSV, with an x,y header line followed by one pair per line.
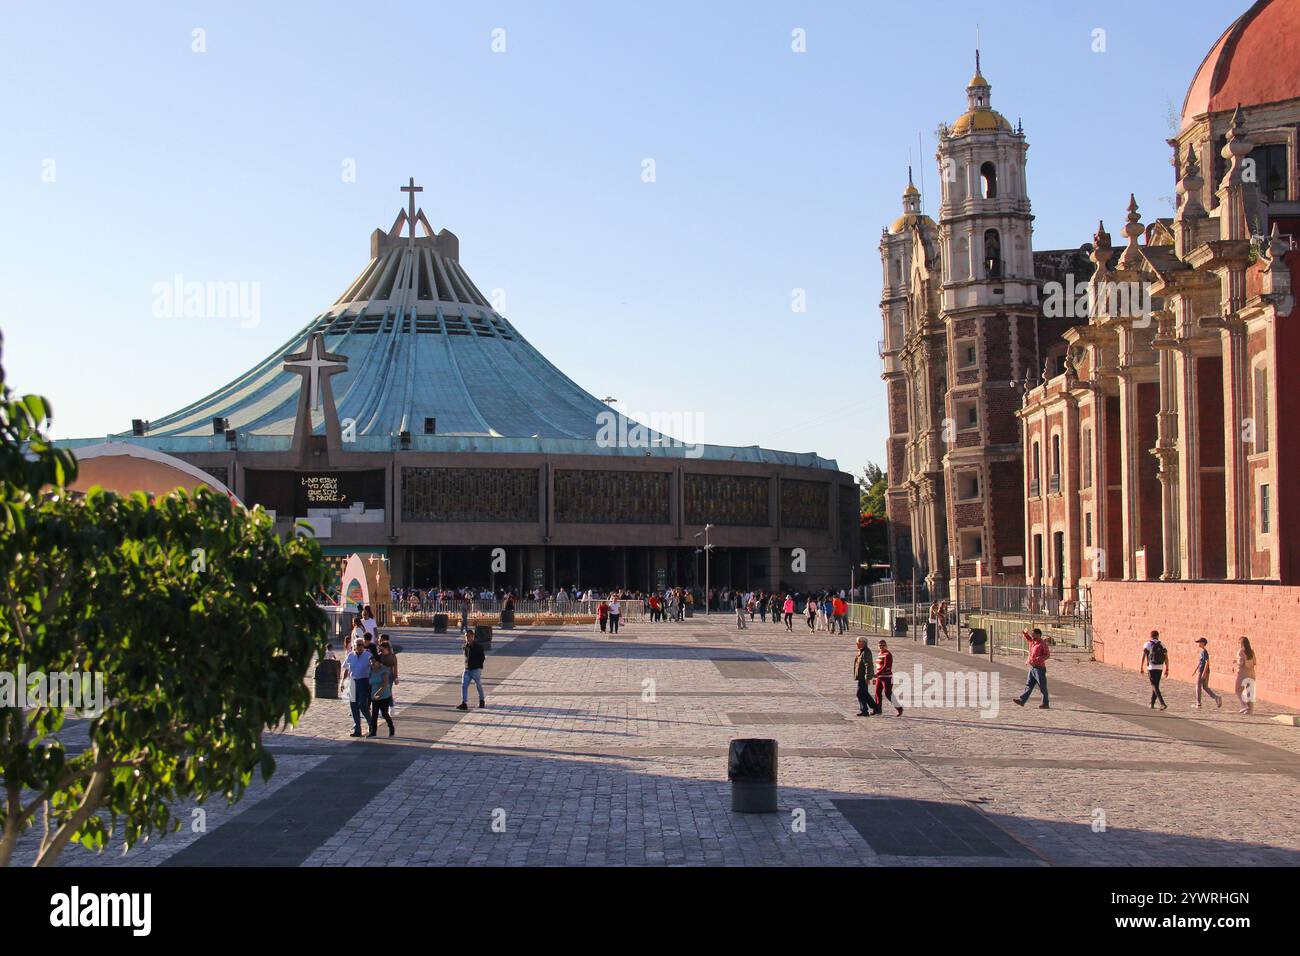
x,y
483,636
900,626
507,619
440,624
931,633
978,640
751,768
690,610
327,679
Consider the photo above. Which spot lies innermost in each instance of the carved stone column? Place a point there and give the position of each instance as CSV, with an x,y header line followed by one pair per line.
x,y
1189,464
1236,483
1129,486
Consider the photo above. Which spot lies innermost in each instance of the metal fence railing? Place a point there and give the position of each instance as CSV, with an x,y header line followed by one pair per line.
x,y
1006,635
1072,604
872,617
903,594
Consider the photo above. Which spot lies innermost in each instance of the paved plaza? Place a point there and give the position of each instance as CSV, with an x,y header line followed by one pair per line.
x,y
611,750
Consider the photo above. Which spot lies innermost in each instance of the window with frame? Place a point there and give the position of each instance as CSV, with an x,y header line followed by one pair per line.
x,y
967,354
1085,459
992,254
988,181
1265,510
1260,409
1267,164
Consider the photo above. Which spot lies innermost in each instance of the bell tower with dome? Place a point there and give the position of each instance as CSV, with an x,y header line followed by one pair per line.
x,y
990,312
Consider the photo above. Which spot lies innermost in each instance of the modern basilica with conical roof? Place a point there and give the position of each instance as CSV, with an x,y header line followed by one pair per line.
x,y
412,420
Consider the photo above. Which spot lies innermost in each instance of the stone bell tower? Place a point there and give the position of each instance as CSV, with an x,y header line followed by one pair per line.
x,y
990,309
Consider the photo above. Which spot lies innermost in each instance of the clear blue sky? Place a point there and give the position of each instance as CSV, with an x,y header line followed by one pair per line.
x,y
775,171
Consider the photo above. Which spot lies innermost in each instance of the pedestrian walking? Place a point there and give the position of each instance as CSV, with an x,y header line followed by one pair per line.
x,y
615,612
863,672
356,670
740,611
1155,658
602,615
885,679
1037,664
474,658
1245,671
841,611
381,693
811,609
386,649
787,609
1203,675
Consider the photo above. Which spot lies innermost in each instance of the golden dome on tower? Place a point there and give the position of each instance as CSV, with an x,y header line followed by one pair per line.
x,y
910,219
979,121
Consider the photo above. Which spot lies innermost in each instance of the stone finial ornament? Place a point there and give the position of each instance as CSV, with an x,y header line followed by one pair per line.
x,y
1133,229
1235,150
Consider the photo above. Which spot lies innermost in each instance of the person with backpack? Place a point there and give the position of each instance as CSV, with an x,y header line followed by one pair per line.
x,y
1203,675
1037,664
1155,658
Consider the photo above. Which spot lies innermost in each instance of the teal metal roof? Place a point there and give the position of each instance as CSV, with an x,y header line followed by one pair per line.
x,y
420,341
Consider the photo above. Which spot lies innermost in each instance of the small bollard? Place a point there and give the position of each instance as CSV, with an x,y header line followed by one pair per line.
x,y
327,679
751,768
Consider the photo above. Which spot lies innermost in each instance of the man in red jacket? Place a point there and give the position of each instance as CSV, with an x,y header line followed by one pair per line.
x,y
1037,663
885,679
840,611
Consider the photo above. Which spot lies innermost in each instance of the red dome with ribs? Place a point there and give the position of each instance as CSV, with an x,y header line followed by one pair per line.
x,y
1256,61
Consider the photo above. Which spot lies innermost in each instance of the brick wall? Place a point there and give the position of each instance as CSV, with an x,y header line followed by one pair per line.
x,y
1124,613
1007,507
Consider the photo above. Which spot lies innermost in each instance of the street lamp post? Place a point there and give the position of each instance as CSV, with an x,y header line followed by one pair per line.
x,y
707,548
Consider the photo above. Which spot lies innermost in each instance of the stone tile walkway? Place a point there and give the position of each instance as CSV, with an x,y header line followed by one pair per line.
x,y
600,750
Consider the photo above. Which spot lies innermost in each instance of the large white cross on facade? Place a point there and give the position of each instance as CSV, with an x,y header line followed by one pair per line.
x,y
310,364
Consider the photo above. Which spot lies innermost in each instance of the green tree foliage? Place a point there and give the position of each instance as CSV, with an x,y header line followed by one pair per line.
x,y
201,620
874,536
871,490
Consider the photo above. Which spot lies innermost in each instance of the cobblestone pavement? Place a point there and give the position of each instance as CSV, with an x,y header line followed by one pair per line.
x,y
600,750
